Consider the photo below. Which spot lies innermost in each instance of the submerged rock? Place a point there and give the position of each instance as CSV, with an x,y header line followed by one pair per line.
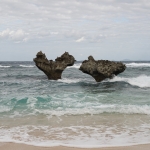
x,y
53,69
101,69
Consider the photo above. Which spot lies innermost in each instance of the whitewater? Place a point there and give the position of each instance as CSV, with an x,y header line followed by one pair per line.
x,y
75,110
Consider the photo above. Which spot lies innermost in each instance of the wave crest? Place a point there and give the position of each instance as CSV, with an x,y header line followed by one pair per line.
x,y
138,65
4,66
27,66
75,66
140,81
121,109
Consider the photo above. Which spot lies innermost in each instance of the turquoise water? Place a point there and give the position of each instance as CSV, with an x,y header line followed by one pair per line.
x,y
34,110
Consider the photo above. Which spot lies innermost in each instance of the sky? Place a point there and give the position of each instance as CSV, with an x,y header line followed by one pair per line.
x,y
105,29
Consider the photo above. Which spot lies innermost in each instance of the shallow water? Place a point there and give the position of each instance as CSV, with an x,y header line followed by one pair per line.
x,y
74,110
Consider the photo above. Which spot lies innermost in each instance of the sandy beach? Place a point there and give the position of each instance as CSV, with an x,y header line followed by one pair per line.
x,y
14,146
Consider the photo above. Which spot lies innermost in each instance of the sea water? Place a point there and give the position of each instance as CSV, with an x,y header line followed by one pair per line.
x,y
75,110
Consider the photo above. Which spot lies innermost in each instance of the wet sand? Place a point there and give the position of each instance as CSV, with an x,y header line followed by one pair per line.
x,y
14,146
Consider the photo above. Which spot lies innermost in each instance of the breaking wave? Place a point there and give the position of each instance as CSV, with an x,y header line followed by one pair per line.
x,y
61,106
140,81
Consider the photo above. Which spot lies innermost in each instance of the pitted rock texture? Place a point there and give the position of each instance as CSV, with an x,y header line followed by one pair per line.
x,y
53,69
101,69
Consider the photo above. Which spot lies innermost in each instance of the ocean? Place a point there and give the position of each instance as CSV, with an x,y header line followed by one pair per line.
x,y
75,110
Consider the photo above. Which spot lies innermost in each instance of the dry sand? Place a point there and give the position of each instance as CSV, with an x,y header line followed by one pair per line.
x,y
14,146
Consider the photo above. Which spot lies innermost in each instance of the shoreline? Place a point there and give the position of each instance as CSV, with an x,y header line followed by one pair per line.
x,y
17,146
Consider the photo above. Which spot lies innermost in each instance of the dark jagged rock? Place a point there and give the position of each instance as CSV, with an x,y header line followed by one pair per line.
x,y
101,69
53,69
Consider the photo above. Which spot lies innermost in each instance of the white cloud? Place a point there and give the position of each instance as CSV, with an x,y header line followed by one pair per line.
x,y
75,19
60,22
15,35
80,40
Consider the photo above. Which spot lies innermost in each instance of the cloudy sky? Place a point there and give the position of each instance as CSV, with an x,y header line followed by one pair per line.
x,y
106,29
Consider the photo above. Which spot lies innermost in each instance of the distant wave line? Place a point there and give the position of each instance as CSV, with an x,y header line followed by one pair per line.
x,y
4,66
138,64
27,66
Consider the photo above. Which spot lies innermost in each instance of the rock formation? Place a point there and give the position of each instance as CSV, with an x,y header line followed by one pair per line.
x,y
53,69
101,69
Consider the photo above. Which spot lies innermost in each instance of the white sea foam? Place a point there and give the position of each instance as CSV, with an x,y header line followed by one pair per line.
x,y
99,109
77,80
75,66
4,66
31,102
66,80
83,136
27,66
5,109
140,81
138,65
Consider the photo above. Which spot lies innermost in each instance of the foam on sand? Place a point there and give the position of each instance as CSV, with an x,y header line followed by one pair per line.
x,y
77,136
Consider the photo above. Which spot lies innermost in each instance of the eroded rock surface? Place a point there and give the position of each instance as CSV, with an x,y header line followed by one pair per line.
x,y
101,69
53,69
